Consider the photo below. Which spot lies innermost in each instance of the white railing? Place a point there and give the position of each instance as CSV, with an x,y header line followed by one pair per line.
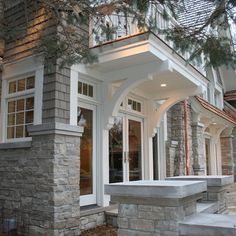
x,y
115,27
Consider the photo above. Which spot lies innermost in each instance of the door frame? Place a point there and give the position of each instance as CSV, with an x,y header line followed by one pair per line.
x,y
125,118
90,199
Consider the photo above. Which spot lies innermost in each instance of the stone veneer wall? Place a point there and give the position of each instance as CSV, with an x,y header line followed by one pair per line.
x,y
92,221
199,164
148,220
40,185
175,146
227,155
234,152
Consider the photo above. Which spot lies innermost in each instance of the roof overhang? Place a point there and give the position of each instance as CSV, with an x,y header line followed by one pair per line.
x,y
230,79
146,55
212,113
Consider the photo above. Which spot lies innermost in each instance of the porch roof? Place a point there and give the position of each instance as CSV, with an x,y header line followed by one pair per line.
x,y
149,47
216,111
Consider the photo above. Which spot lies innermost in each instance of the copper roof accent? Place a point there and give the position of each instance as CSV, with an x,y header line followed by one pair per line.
x,y
230,97
225,115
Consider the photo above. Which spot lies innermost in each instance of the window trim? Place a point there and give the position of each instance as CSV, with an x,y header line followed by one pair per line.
x,y
125,108
87,81
30,66
15,99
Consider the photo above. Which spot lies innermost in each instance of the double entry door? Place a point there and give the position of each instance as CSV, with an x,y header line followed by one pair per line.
x,y
125,149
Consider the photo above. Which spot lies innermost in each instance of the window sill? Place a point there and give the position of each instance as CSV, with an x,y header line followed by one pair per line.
x,y
15,145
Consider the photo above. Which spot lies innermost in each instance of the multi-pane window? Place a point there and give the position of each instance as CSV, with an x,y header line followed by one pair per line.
x,y
21,85
20,107
85,89
134,105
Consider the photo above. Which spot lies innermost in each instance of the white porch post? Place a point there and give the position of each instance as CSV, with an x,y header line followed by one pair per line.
x,y
103,167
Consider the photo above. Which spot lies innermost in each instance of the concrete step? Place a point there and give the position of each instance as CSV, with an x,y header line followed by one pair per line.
x,y
111,217
207,207
208,225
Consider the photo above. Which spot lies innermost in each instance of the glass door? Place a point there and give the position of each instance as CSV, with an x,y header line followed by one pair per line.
x,y
86,119
125,149
134,150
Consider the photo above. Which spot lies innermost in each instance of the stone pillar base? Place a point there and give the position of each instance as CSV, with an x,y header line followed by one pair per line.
x,y
153,208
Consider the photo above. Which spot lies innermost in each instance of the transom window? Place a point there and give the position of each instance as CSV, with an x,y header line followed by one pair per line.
x,y
85,89
134,105
20,107
21,85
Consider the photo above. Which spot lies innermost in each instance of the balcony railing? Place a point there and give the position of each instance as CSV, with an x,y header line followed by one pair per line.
x,y
118,26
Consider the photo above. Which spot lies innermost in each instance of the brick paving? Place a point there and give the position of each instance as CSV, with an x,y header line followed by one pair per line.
x,y
104,230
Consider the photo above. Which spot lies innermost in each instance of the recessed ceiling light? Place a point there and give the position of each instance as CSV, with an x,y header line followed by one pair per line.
x,y
214,123
163,85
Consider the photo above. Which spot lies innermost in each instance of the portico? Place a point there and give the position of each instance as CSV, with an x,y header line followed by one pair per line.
x,y
136,80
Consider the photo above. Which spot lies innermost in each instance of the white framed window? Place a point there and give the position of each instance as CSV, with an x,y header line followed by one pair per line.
x,y
21,101
20,107
86,90
134,105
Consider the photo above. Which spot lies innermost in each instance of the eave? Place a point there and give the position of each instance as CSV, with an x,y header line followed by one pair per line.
x,y
215,111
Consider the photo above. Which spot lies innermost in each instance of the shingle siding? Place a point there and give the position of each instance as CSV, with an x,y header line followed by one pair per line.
x,y
30,22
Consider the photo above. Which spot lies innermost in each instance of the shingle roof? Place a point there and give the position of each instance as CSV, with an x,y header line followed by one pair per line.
x,y
195,12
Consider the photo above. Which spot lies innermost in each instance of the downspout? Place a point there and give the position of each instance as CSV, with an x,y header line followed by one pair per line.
x,y
186,141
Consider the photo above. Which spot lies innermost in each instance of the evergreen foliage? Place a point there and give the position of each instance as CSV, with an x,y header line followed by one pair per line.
x,y
206,38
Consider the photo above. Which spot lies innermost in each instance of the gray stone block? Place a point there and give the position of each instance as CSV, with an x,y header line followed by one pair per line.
x,y
156,189
212,180
142,225
208,225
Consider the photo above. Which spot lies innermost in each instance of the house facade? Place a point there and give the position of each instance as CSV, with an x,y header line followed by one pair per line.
x,y
141,112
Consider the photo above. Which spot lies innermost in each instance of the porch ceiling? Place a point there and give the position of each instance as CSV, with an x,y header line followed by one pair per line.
x,y
153,89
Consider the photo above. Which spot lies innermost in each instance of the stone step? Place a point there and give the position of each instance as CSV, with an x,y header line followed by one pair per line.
x,y
207,207
111,217
208,225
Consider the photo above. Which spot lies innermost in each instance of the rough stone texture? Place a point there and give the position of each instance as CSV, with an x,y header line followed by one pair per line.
x,y
40,186
234,152
175,145
111,217
227,155
176,133
208,225
153,220
170,158
199,164
216,189
92,221
231,195
150,215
